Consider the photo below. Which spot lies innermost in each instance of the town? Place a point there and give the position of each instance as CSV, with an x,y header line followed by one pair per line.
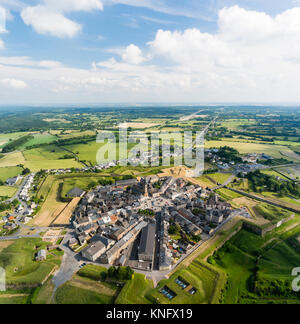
x,y
131,222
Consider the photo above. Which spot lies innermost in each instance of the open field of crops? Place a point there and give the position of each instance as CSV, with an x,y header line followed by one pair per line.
x,y
12,159
276,151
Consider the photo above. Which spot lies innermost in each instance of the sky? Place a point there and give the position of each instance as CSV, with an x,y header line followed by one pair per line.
x,y
149,51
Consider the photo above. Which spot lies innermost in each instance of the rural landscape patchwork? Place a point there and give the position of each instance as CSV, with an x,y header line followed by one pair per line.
x,y
149,154
76,231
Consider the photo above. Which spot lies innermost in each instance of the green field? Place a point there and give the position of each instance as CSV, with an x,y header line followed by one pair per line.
x,y
9,172
276,151
4,138
21,268
7,191
289,200
135,291
271,213
250,260
78,182
13,300
43,295
220,177
36,166
228,194
69,294
87,287
43,138
198,276
50,152
12,159
88,152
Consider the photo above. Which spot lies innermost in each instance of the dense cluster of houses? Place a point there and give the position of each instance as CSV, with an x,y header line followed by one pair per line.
x,y
24,193
128,223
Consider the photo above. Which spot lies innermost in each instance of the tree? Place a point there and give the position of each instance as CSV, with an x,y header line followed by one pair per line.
x,y
26,171
112,272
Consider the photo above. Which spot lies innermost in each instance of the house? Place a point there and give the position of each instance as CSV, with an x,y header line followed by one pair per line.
x,y
41,255
94,251
10,226
118,234
106,241
13,181
28,211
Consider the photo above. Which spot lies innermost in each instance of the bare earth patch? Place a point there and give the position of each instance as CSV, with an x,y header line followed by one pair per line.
x,y
51,236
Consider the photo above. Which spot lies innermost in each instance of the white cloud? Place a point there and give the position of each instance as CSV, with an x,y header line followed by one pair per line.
x,y
2,20
252,57
169,7
27,61
49,18
74,5
133,55
13,83
45,21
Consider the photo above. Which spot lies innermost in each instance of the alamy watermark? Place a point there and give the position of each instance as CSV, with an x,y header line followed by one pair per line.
x,y
153,149
296,281
2,280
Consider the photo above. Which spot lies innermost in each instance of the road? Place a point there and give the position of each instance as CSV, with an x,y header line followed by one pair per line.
x,y
69,266
226,183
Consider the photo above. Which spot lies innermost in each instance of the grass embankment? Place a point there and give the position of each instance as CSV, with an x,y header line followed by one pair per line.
x,y
258,266
18,260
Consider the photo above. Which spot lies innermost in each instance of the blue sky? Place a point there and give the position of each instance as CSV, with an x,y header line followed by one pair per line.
x,y
97,51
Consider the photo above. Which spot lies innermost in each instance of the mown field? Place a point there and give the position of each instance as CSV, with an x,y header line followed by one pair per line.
x,y
135,291
7,191
9,172
41,158
70,294
39,138
87,287
220,177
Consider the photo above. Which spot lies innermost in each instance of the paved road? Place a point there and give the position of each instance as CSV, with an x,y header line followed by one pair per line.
x,y
69,266
226,183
